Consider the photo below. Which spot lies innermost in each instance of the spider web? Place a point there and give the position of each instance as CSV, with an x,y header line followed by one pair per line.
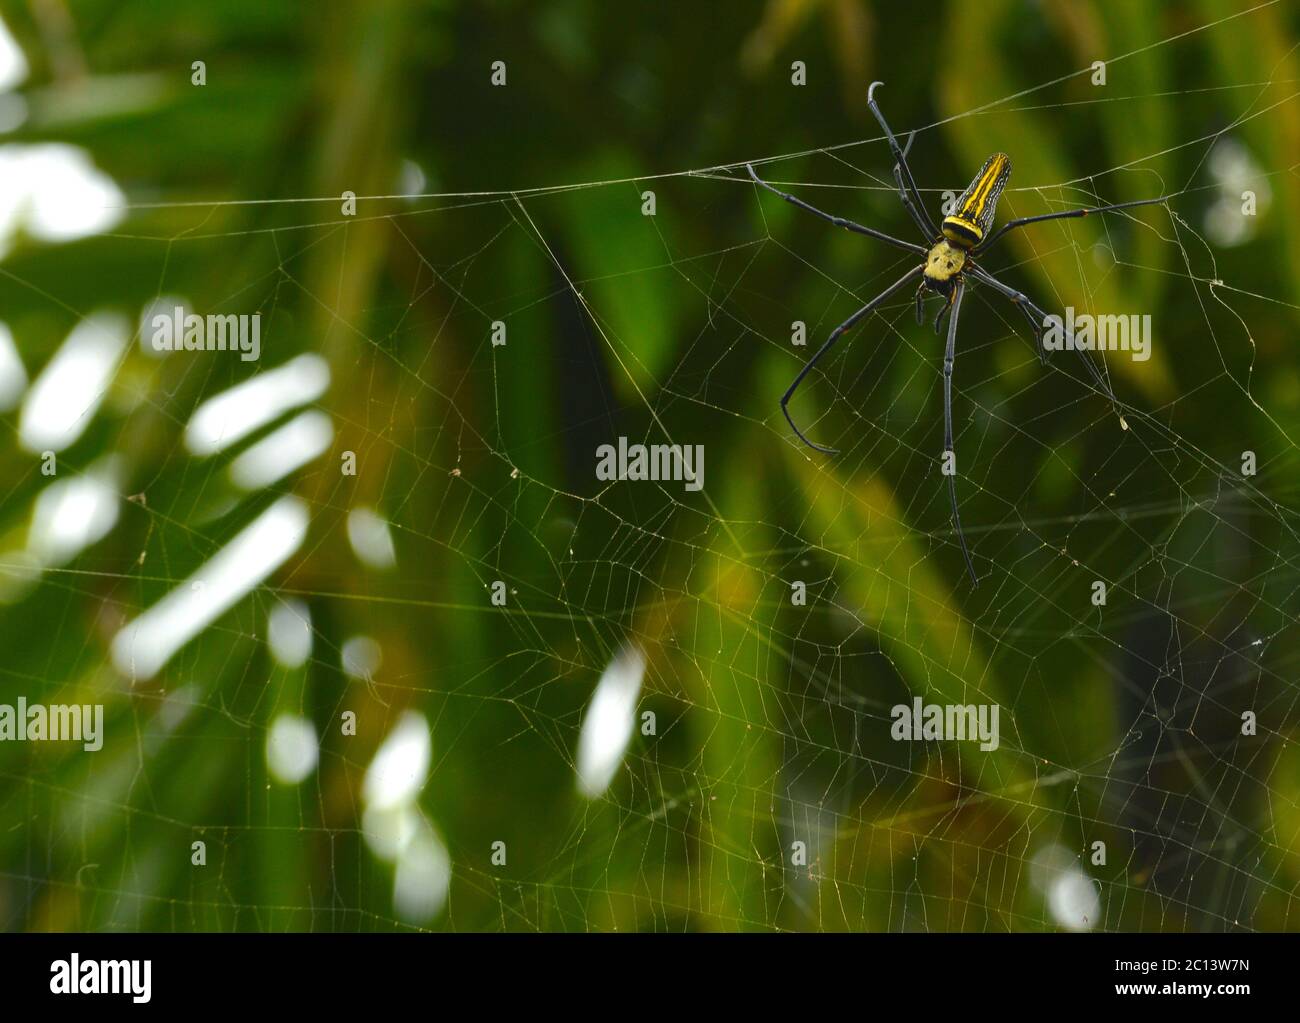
x,y
1121,723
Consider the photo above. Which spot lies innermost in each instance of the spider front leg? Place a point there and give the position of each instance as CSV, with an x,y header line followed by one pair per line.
x,y
949,357
848,225
910,194
917,217
1012,225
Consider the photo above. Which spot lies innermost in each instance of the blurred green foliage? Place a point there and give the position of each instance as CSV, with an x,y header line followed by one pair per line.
x,y
1120,724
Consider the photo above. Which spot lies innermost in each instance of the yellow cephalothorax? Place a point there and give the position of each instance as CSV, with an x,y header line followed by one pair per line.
x,y
944,262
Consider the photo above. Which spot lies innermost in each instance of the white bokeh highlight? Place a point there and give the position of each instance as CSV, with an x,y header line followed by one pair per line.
x,y
148,642
164,305
68,392
396,830
232,415
13,377
292,749
610,720
73,513
13,63
361,657
401,764
289,632
423,875
301,440
1073,901
370,538
1235,171
55,193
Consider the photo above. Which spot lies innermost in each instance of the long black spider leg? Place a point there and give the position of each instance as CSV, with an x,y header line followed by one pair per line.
x,y
949,356
837,221
1011,225
1036,318
908,205
1021,302
835,336
917,206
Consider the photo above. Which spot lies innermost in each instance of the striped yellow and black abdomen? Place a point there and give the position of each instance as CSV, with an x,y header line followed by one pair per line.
x,y
973,215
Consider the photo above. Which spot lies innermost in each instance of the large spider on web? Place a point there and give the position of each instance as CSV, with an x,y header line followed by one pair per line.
x,y
950,253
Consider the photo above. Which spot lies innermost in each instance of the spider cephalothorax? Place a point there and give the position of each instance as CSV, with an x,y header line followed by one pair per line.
x,y
943,265
949,252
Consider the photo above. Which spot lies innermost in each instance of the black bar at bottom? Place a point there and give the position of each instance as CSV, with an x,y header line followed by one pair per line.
x,y
604,974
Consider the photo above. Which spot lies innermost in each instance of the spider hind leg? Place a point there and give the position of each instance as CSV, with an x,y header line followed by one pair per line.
x,y
949,357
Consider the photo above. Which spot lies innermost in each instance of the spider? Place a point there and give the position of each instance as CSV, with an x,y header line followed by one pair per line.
x,y
950,252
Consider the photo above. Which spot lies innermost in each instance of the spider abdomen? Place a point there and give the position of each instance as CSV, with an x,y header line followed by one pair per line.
x,y
973,214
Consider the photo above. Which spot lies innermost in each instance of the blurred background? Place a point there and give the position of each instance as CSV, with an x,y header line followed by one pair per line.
x,y
376,648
